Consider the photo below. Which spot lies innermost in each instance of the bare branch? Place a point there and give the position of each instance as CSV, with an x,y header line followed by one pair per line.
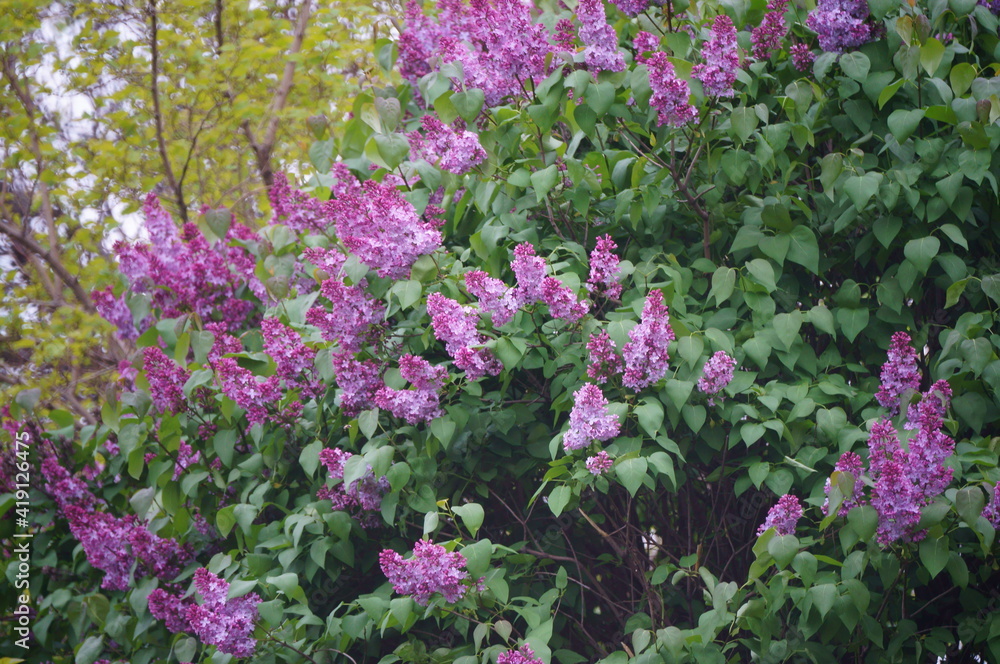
x,y
158,115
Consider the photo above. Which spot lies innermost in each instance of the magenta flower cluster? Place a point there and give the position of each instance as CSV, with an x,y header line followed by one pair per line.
x,y
454,150
646,354
114,310
296,209
495,297
354,318
783,517
604,269
455,325
899,373
604,359
534,286
252,393
358,380
718,373
589,420
432,569
766,38
670,94
166,380
362,497
631,7
992,510
420,404
224,623
599,39
841,24
600,463
721,60
523,655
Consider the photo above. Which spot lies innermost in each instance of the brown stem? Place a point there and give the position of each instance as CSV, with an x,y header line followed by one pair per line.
x,y
161,143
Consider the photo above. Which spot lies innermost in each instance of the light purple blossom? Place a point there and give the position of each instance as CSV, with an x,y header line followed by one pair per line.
x,y
899,373
718,373
631,7
896,502
604,269
670,94
802,56
930,446
225,623
455,325
600,463
562,302
362,496
171,609
645,42
296,209
421,403
114,310
589,420
358,380
992,510
646,354
166,380
494,296
604,359
783,517
285,347
721,60
523,655
186,455
244,388
355,318
599,39
841,24
529,270
766,37
432,569
849,462
454,150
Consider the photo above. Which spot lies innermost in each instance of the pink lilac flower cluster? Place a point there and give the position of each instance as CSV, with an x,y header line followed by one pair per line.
x,y
523,655
114,545
285,347
644,43
631,7
186,456
454,150
718,373
495,297
355,318
894,496
841,24
534,286
599,39
184,273
992,510
899,373
604,269
224,623
783,517
849,462
589,420
600,463
646,354
296,209
499,47
670,94
114,310
358,380
420,404
721,60
64,488
243,387
431,569
802,56
362,496
166,380
455,325
766,37
930,446
604,359
171,608
378,225
223,343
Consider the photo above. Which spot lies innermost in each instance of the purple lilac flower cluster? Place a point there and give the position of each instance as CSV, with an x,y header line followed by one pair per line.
x,y
992,510
718,72
783,517
599,39
802,56
841,24
114,310
992,5
589,420
899,373
646,354
604,359
358,380
849,462
600,463
495,297
523,655
185,274
420,404
766,38
166,380
456,326
453,150
431,569
171,608
631,7
362,496
670,94
186,456
296,209
718,373
354,319
225,623
604,269
243,387
378,225
534,286
495,41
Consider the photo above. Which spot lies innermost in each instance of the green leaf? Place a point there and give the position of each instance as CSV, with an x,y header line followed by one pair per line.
x,y
955,292
889,92
823,597
478,556
931,53
861,188
786,327
632,472
723,284
922,251
392,149
744,121
28,399
822,319
863,520
969,503
804,249
991,286
763,273
559,498
600,97
472,516
544,180
89,650
783,548
852,322
902,122
650,416
961,77
934,555
856,65
468,103
758,472
320,155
